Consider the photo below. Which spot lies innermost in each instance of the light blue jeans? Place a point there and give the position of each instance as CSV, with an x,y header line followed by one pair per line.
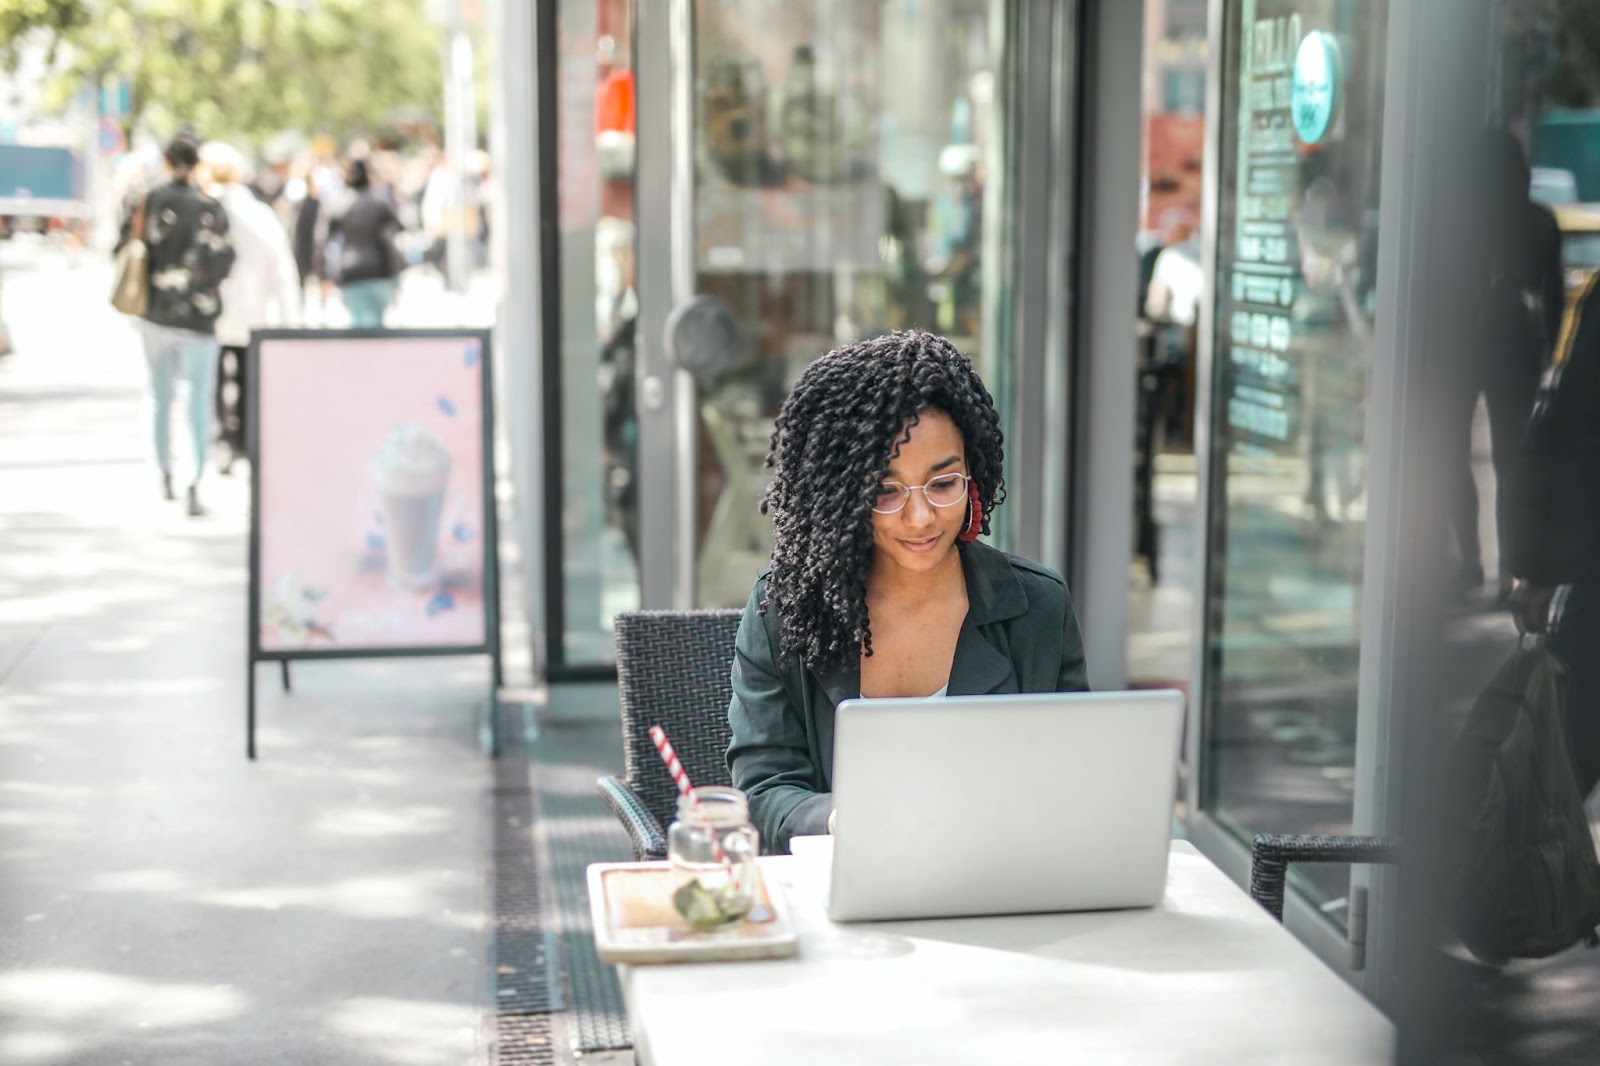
x,y
368,300
172,353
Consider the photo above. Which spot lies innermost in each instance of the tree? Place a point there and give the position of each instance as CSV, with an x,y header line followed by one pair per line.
x,y
241,68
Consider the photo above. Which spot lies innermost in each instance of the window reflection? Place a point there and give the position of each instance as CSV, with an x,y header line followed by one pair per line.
x,y
843,154
1171,279
1296,277
594,157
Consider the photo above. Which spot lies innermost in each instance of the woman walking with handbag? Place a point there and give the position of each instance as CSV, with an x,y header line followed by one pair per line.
x,y
187,254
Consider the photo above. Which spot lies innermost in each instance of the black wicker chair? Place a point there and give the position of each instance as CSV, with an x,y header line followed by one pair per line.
x,y
673,670
1270,857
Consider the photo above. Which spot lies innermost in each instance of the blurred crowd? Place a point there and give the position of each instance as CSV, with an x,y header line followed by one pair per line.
x,y
215,244
311,185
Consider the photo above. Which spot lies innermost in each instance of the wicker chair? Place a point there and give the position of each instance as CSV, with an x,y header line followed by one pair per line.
x,y
673,670
1270,857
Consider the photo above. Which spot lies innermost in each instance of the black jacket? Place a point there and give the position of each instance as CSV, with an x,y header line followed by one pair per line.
x,y
1020,635
362,235
1557,513
190,254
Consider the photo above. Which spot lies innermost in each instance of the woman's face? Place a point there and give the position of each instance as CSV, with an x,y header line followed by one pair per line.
x,y
919,536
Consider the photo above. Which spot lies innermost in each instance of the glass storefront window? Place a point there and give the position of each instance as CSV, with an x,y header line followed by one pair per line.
x,y
1295,290
594,159
850,180
1161,616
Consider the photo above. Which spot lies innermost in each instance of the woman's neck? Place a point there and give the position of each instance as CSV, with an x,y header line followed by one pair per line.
x,y
908,588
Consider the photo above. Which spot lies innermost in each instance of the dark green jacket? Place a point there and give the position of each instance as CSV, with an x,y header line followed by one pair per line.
x,y
1020,635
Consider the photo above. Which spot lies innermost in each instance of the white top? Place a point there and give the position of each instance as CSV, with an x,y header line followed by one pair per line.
x,y
1207,976
263,288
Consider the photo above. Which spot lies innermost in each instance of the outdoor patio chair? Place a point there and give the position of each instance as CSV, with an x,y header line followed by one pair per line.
x,y
673,670
1270,857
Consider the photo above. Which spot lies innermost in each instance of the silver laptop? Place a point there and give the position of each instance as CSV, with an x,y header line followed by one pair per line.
x,y
979,805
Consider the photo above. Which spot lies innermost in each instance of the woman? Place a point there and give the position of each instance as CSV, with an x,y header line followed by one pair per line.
x,y
262,290
887,464
361,254
189,254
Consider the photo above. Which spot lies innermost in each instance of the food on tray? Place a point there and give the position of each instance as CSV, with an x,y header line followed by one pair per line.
x,y
709,908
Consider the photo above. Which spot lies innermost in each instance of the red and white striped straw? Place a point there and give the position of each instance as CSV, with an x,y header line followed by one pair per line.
x,y
681,779
670,757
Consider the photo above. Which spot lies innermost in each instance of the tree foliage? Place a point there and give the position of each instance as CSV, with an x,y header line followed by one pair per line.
x,y
242,68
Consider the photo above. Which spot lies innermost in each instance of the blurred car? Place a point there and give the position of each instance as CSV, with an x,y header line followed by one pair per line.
x,y
43,188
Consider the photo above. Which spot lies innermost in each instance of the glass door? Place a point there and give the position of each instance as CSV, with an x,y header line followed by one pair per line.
x,y
810,174
1296,295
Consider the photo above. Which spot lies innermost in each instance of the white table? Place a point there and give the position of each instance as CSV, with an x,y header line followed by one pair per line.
x,y
1206,977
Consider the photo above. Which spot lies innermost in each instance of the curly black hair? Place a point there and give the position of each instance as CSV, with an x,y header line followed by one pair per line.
x,y
834,440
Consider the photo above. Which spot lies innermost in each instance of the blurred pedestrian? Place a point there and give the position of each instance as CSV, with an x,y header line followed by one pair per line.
x,y
453,204
262,290
1518,301
190,255
306,224
434,209
1556,547
1172,290
1176,227
485,190
1331,316
362,255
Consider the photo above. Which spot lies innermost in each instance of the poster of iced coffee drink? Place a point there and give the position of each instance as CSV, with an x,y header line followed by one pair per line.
x,y
371,523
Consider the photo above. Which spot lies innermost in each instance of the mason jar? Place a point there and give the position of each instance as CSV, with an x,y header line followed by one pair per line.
x,y
713,849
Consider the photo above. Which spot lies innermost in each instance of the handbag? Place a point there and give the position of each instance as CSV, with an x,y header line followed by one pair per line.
x,y
1526,880
130,290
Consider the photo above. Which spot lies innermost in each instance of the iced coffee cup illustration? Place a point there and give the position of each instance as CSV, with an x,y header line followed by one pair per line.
x,y
411,474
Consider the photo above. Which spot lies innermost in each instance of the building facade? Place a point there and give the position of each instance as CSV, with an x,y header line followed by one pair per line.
x,y
1245,479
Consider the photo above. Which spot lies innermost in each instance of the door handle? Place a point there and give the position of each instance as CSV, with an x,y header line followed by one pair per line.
x,y
653,394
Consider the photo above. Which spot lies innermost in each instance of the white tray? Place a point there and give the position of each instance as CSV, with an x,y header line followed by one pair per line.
x,y
634,921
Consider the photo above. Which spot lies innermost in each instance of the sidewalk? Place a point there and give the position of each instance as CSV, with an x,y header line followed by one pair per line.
x,y
164,900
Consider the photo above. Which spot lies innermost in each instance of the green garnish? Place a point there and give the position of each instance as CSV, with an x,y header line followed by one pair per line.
x,y
705,908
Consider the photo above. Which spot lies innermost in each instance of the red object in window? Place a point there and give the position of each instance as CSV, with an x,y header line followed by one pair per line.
x,y
613,108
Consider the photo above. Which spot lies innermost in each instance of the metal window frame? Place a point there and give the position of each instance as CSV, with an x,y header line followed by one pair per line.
x,y
547,71
664,205
518,149
1099,376
1045,65
1434,86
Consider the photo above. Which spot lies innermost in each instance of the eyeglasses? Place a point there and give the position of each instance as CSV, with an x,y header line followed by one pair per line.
x,y
946,490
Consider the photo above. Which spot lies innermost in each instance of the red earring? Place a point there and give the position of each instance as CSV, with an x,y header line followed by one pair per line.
x,y
974,514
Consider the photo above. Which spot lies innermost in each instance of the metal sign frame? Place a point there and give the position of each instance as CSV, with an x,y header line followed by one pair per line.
x,y
489,537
